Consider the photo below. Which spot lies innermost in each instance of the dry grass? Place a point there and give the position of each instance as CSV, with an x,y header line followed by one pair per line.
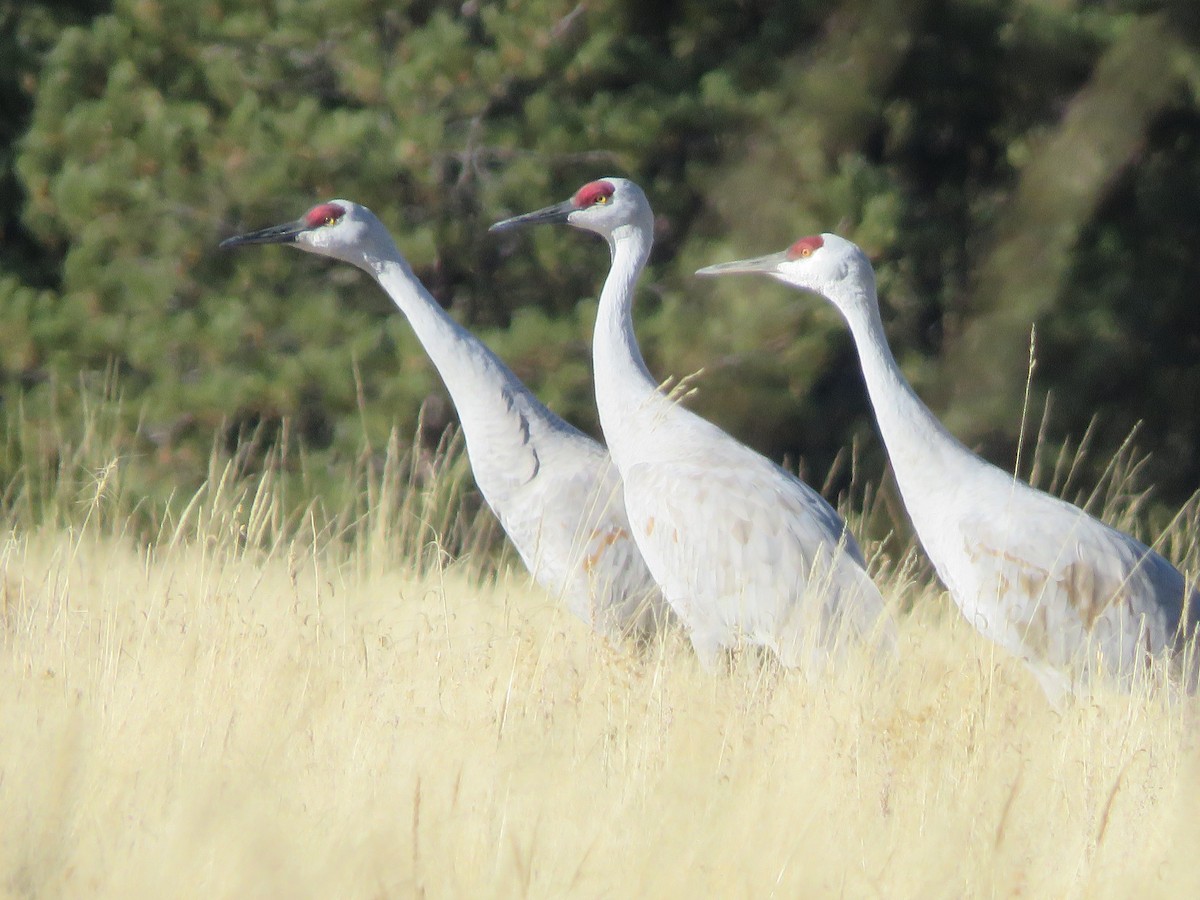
x,y
255,705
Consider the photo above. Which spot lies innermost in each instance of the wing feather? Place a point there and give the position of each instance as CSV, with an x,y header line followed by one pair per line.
x,y
1055,583
569,524
743,549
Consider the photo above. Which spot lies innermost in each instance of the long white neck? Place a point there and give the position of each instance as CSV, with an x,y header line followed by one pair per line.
x,y
923,453
494,407
625,390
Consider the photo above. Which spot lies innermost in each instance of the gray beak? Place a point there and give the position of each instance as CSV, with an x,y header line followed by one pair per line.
x,y
550,215
276,234
766,264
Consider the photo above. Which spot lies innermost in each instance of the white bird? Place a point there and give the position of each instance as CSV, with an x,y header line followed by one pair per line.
x,y
1064,592
743,550
552,487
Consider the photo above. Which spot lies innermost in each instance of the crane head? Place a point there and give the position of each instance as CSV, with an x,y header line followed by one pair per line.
x,y
825,264
337,228
604,206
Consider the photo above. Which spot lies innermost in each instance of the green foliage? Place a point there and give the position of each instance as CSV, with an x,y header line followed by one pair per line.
x,y
1004,163
28,28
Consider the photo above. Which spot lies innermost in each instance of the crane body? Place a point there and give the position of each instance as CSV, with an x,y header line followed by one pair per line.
x,y
743,550
1061,590
553,489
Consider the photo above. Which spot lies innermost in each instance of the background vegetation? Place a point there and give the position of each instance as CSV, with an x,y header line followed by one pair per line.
x,y
1006,162
247,647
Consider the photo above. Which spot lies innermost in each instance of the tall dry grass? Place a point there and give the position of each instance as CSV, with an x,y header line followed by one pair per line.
x,y
244,697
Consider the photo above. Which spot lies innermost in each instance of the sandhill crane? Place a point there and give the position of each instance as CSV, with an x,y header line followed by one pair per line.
x,y
1061,590
553,488
743,550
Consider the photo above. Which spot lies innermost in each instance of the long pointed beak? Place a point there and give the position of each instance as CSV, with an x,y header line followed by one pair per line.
x,y
276,234
550,215
767,264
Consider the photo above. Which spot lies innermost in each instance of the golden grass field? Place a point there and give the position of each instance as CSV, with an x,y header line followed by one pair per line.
x,y
251,705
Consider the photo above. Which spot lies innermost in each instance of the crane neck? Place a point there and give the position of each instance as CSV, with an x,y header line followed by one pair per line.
x,y
460,358
624,386
917,443
494,408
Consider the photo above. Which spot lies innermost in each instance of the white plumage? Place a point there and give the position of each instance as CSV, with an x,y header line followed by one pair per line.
x,y
554,489
1061,590
743,550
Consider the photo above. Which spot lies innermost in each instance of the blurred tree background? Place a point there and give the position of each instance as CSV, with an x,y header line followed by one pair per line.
x,y
1005,162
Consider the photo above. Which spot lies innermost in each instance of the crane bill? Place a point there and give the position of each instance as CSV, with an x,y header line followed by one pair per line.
x,y
767,264
276,234
550,215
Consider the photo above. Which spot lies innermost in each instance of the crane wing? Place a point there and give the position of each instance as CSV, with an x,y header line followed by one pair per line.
x,y
742,547
568,522
1060,581
500,442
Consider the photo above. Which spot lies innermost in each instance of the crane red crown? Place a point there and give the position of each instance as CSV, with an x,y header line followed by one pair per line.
x,y
592,191
805,246
321,214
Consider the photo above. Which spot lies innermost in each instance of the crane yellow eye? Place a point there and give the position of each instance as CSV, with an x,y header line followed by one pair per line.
x,y
805,247
324,214
592,193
